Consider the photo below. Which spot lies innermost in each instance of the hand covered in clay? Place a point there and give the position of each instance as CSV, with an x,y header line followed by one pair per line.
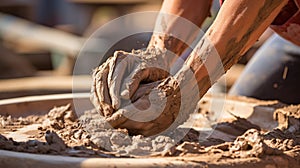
x,y
160,109
154,106
120,76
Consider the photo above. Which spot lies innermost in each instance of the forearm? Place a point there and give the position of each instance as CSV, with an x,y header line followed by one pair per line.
x,y
168,26
236,28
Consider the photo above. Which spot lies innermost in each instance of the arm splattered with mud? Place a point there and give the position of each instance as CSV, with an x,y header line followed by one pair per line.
x,y
237,26
171,31
110,81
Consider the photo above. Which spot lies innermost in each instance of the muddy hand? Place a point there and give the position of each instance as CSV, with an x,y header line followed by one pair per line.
x,y
99,91
103,94
138,66
162,109
120,76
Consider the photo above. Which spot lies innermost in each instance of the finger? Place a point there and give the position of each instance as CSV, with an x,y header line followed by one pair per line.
x,y
116,73
136,121
117,118
143,117
103,92
121,120
128,112
142,110
100,93
144,89
133,82
94,96
150,74
157,74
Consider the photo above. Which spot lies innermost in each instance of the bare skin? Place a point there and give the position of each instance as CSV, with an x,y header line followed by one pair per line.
x,y
237,26
234,31
185,9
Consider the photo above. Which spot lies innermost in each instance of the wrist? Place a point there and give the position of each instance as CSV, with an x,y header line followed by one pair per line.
x,y
170,43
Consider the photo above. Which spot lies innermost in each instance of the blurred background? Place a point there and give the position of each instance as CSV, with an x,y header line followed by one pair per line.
x,y
40,40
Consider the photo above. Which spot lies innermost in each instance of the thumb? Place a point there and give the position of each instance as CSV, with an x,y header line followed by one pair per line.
x,y
133,81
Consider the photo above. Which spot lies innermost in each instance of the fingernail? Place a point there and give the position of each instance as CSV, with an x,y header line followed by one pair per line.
x,y
125,94
115,102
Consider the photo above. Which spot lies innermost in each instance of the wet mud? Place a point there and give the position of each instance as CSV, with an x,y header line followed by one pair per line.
x,y
61,132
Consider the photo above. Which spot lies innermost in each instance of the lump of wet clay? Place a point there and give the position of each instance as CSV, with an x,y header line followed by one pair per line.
x,y
190,147
250,144
59,117
140,146
288,118
119,139
101,140
55,141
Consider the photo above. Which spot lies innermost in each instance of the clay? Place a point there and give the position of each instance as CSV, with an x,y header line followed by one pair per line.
x,y
55,141
288,118
280,140
236,127
60,132
251,144
144,65
147,86
189,147
59,118
119,141
90,136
